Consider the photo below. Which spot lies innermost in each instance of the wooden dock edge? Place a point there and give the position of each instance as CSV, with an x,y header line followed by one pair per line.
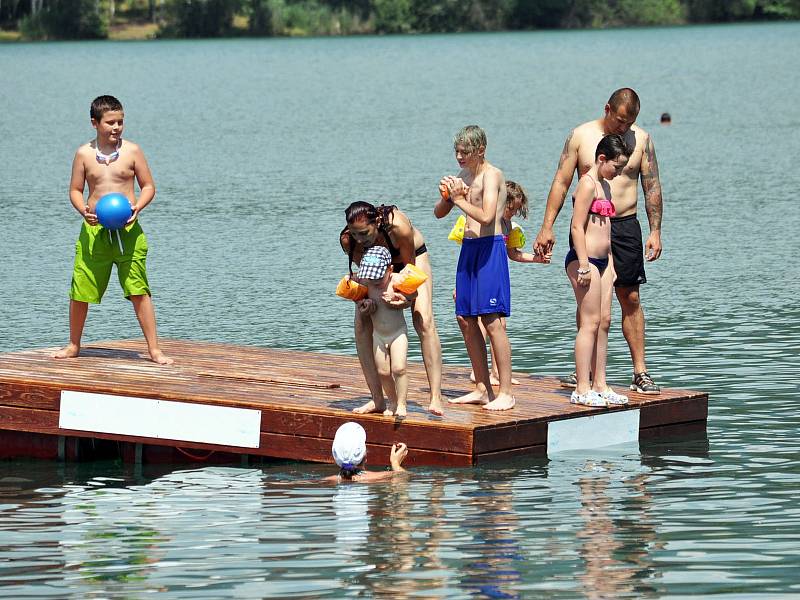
x,y
312,437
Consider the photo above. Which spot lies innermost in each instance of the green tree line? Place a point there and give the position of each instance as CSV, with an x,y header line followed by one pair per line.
x,y
91,19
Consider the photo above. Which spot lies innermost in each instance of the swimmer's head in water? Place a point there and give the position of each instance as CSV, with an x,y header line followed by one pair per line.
x,y
349,446
666,118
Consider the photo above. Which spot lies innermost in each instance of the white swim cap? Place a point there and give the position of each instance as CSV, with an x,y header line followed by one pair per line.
x,y
349,446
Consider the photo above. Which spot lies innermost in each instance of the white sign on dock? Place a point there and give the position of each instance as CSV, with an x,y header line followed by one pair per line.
x,y
594,431
163,419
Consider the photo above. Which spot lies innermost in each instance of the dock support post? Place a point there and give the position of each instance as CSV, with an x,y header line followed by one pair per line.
x,y
137,453
62,443
245,460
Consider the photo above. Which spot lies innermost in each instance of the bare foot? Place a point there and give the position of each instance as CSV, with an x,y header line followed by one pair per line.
x,y
388,413
474,397
502,402
69,351
401,410
157,356
369,407
435,407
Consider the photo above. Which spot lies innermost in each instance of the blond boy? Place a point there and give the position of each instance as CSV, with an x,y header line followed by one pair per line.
x,y
483,288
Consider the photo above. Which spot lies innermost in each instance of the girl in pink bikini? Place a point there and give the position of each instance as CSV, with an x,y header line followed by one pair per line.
x,y
590,268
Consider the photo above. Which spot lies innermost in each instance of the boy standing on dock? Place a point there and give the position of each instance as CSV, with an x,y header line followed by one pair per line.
x,y
108,164
483,288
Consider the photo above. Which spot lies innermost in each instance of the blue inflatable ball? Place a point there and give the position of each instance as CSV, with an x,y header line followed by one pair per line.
x,y
113,211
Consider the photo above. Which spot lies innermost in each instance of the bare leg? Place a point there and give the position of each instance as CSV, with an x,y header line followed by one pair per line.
x,y
588,299
398,352
476,348
424,323
601,347
143,305
363,332
633,324
77,319
493,375
384,366
496,330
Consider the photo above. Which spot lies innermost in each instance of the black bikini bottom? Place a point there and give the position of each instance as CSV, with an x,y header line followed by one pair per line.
x,y
600,263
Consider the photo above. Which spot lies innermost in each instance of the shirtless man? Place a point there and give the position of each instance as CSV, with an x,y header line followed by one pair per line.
x,y
626,235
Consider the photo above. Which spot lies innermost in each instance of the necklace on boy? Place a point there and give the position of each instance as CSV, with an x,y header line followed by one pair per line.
x,y
106,158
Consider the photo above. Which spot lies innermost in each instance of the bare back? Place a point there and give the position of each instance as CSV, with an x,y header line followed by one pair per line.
x,y
624,188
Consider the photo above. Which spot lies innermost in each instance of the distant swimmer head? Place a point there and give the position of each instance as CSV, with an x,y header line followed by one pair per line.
x,y
666,118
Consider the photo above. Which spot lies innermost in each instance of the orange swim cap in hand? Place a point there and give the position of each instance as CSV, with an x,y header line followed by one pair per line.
x,y
351,290
444,191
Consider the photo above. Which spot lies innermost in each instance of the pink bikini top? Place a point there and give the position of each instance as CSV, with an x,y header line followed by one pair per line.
x,y
601,205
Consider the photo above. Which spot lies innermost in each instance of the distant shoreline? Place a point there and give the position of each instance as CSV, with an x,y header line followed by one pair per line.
x,y
144,31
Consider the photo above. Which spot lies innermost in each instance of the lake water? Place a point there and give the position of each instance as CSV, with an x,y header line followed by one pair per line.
x,y
257,146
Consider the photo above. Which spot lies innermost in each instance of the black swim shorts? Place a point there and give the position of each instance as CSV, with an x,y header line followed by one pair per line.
x,y
628,251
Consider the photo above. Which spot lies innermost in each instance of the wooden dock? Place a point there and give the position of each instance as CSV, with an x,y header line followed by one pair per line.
x,y
301,398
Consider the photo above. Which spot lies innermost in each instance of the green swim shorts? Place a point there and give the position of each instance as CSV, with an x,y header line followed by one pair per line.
x,y
97,249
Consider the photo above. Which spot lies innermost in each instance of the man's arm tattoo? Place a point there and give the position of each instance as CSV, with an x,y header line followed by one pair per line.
x,y
652,187
565,151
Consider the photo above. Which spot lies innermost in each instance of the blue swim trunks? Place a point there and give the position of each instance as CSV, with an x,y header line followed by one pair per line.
x,y
482,283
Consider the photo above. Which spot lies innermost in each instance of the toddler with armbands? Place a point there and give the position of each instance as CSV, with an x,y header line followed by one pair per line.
x,y
516,206
389,331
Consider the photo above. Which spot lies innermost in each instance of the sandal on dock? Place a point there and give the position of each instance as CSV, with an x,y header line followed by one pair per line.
x,y
590,398
612,398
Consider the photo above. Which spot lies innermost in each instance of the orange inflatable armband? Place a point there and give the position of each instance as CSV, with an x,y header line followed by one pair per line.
x,y
414,277
351,290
